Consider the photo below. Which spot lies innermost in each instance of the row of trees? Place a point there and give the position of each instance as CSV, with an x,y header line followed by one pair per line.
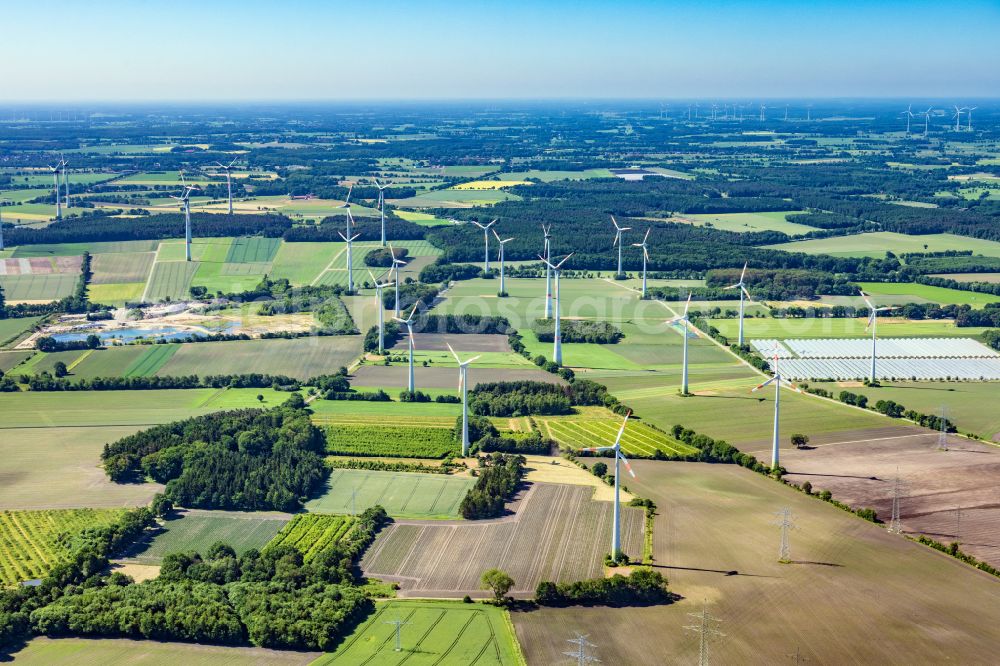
x,y
499,476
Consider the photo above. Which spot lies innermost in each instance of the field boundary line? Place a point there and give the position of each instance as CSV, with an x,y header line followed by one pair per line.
x,y
152,267
327,268
79,359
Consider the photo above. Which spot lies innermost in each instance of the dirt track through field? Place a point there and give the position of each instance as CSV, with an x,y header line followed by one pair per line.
x,y
556,532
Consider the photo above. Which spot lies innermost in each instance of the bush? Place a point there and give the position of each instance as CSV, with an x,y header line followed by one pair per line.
x,y
642,586
496,483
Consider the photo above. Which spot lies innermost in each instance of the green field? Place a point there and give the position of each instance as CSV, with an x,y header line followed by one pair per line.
x,y
390,440
876,244
31,539
121,267
908,292
363,412
301,358
403,494
596,426
301,263
246,250
452,198
72,249
311,533
170,280
199,530
43,287
105,651
436,632
116,294
745,222
11,359
767,327
13,328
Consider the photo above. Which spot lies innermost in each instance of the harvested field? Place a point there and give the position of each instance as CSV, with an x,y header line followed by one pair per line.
x,y
395,376
470,342
402,494
549,469
100,652
852,594
557,533
198,530
859,467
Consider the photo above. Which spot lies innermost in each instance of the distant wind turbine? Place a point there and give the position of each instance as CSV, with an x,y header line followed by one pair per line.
x,y
1,228
968,111
742,285
645,258
503,290
909,115
229,180
557,333
379,305
686,325
65,178
396,263
927,119
463,386
762,110
546,231
776,380
408,322
185,199
381,204
486,240
958,118
350,266
616,537
55,177
619,231
872,324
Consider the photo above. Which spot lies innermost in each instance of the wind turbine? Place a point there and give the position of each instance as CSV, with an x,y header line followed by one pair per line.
x,y
618,241
463,386
347,208
65,178
557,334
872,324
381,312
408,322
687,323
762,110
968,111
1,228
909,115
776,379
616,537
546,231
381,204
486,239
927,119
55,177
229,180
350,268
958,118
185,199
396,263
743,293
503,292
645,258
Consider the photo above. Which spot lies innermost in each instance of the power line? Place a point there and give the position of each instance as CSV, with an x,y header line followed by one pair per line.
x,y
580,654
785,523
943,434
399,625
706,631
895,525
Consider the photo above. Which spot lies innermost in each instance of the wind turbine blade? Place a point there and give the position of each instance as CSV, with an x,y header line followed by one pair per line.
x,y
732,286
594,449
627,465
867,302
747,293
474,358
457,360
342,235
763,384
496,235
617,236
646,237
621,431
871,320
687,305
645,252
564,259
743,274
234,161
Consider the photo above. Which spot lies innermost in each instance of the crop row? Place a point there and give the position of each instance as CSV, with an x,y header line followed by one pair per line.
x,y
397,441
638,439
311,533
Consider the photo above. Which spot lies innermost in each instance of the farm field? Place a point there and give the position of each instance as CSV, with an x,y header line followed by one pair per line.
x,y
170,280
549,176
744,222
557,533
121,267
43,287
993,278
393,378
716,519
825,327
30,539
876,244
403,494
455,198
903,292
363,412
310,533
13,328
198,530
437,632
301,263
405,441
100,652
116,294
596,426
301,358
95,248
10,359
59,467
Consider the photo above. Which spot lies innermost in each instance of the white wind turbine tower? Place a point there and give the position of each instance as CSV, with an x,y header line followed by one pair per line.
x,y
744,295
645,259
503,242
619,231
408,322
762,110
557,333
379,286
381,204
486,240
686,332
185,199
65,178
958,118
1,227
776,380
463,386
616,537
967,111
229,180
546,230
872,324
55,177
350,266
396,263
347,208
909,115
927,119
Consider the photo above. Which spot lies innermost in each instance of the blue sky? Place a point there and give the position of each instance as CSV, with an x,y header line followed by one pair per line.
x,y
308,49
